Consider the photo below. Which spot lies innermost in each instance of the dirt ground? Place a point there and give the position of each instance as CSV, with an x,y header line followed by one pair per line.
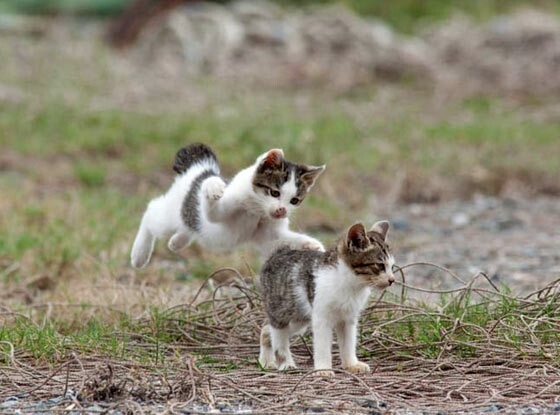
x,y
514,241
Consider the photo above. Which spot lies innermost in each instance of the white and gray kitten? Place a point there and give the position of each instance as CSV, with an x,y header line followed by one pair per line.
x,y
253,207
327,290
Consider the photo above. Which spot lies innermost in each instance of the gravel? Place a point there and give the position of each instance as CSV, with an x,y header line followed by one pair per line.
x,y
515,242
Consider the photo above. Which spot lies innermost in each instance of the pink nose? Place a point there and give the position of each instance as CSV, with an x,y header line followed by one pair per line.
x,y
279,213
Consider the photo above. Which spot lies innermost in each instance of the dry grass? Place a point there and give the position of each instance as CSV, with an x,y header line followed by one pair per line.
x,y
479,346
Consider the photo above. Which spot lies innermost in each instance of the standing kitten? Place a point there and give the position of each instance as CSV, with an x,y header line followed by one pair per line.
x,y
253,207
327,289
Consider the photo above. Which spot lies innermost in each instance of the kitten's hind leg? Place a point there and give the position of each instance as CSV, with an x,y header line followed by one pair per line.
x,y
153,226
266,355
281,347
178,241
142,247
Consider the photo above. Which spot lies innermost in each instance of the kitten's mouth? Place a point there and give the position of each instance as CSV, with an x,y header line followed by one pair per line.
x,y
380,284
278,215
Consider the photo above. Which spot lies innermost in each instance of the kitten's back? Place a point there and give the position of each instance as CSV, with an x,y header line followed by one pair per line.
x,y
288,284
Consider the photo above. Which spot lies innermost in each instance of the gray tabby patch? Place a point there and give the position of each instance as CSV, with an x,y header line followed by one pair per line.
x,y
190,211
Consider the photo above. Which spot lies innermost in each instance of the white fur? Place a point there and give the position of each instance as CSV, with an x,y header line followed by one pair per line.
x,y
230,215
340,296
266,355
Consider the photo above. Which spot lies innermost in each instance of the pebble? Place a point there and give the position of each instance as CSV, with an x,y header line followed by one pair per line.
x,y
369,403
400,224
529,410
494,408
8,403
375,408
460,219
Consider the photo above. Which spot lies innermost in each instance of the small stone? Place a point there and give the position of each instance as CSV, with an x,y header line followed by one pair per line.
x,y
8,403
70,393
505,224
460,219
529,410
369,403
400,224
495,408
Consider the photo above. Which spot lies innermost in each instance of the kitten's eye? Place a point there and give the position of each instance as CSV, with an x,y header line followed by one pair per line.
x,y
274,193
294,201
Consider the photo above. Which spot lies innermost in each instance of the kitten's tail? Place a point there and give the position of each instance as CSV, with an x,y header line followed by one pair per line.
x,y
195,154
143,246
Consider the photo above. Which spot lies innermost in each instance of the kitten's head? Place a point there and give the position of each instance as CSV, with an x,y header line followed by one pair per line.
x,y
368,254
279,185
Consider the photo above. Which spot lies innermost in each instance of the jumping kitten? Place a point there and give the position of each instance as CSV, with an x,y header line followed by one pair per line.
x,y
253,207
327,289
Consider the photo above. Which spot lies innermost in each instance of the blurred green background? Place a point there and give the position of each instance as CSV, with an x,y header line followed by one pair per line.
x,y
405,15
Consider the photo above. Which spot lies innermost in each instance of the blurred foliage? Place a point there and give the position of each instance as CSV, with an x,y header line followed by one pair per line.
x,y
82,7
405,15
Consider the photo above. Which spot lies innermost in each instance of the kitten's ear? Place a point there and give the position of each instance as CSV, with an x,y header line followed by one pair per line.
x,y
310,174
356,237
381,227
271,159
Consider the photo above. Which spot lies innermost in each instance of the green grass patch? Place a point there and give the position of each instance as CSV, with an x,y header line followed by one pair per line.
x,y
113,155
83,7
90,175
464,325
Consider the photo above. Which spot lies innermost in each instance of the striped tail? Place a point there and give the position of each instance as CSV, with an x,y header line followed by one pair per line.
x,y
195,154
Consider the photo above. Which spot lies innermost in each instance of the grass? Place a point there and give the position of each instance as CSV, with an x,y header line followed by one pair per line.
x,y
463,325
88,7
97,166
409,15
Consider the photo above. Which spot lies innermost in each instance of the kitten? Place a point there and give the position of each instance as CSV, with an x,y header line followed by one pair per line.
x,y
327,289
253,207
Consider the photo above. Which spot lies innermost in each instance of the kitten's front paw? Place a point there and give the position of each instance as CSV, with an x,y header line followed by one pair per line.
x,y
267,361
314,245
359,367
324,373
287,365
214,188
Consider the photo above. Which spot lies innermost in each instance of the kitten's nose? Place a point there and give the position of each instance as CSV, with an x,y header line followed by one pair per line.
x,y
391,280
279,213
